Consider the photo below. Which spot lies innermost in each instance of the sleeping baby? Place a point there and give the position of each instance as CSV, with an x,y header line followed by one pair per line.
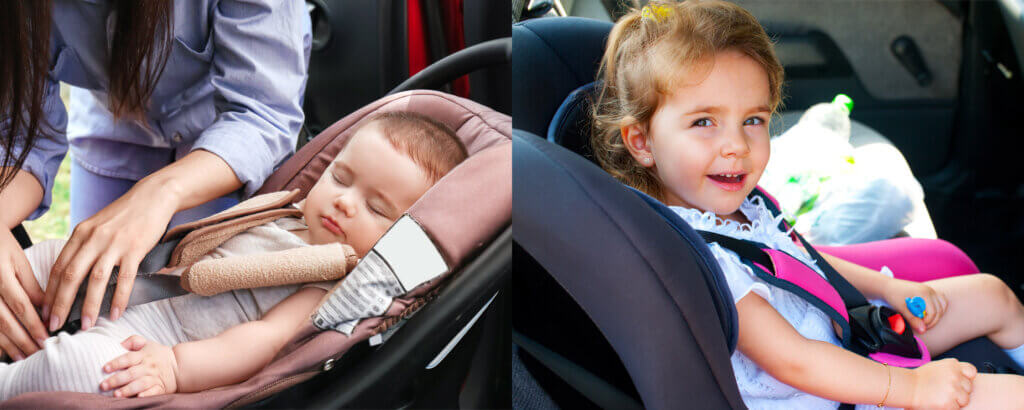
x,y
192,343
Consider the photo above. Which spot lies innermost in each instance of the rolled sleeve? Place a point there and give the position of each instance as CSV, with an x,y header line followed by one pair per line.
x,y
261,53
44,158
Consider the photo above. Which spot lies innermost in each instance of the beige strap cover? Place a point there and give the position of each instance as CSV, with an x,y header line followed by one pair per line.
x,y
208,233
203,240
258,203
297,265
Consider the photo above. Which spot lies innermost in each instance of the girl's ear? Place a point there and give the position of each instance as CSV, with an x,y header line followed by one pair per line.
x,y
636,141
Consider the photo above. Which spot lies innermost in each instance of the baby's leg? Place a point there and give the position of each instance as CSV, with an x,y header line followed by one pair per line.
x,y
978,305
997,391
67,363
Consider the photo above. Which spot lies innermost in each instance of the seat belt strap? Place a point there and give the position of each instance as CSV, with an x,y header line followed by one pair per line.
x,y
148,286
851,296
22,236
749,250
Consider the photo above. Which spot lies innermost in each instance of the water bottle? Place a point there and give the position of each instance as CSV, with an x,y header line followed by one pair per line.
x,y
810,153
833,119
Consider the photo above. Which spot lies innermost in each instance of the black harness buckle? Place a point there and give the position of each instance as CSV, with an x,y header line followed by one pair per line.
x,y
882,329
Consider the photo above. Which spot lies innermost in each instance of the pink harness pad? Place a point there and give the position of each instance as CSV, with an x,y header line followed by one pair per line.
x,y
900,361
792,270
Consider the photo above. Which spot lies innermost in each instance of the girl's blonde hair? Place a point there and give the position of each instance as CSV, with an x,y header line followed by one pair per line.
x,y
649,52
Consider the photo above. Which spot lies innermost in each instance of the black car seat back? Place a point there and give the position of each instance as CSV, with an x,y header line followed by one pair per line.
x,y
652,291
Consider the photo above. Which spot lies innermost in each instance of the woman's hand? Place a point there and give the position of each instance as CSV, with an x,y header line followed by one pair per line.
x,y
148,369
119,235
21,331
896,293
944,384
124,232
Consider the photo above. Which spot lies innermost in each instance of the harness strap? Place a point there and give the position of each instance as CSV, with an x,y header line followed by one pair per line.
x,y
752,252
148,286
851,296
752,255
745,249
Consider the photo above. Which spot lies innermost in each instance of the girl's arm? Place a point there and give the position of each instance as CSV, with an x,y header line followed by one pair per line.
x,y
241,351
829,371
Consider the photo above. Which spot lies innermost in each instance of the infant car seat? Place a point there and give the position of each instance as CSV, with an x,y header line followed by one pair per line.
x,y
466,215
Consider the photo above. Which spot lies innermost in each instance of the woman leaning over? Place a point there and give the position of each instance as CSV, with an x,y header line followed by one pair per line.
x,y
179,107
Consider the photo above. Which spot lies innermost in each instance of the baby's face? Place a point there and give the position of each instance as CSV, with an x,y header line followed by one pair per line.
x,y
367,187
709,141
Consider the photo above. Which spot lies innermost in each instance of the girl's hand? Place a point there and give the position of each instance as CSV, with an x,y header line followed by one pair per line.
x,y
149,369
119,235
21,331
896,293
945,384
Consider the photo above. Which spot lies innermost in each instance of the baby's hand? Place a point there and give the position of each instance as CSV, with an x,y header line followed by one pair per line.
x,y
899,290
944,384
149,369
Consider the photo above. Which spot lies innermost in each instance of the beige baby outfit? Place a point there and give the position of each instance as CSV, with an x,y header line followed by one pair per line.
x,y
73,362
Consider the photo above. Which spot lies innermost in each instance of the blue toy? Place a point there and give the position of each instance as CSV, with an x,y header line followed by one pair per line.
x,y
916,306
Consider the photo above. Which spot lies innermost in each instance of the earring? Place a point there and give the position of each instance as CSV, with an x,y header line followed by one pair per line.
x,y
647,160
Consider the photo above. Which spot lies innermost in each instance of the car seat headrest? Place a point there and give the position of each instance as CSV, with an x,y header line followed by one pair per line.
x,y
572,124
553,57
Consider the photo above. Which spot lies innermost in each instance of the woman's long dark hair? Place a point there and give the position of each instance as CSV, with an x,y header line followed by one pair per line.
x,y
139,51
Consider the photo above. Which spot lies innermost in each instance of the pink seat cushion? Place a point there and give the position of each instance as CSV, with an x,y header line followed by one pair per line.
x,y
913,259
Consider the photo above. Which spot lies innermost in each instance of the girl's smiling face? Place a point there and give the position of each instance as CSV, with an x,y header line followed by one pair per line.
x,y
708,142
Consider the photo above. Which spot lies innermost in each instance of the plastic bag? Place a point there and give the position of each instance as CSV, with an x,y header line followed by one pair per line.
x,y
829,195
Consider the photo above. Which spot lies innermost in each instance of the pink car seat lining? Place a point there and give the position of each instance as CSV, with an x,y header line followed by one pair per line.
x,y
792,270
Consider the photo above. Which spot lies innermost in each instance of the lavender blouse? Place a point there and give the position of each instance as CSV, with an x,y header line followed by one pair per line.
x,y
232,86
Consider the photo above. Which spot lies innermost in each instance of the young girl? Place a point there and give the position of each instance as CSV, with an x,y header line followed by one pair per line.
x,y
689,89
192,343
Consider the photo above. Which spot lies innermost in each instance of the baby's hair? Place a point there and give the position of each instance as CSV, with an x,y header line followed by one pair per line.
x,y
430,143
652,50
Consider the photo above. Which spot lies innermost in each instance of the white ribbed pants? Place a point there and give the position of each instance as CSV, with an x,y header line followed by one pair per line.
x,y
75,362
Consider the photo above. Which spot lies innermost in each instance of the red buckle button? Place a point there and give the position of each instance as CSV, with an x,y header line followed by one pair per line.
x,y
897,324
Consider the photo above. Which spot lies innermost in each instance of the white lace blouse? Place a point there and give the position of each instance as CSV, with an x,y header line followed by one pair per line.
x,y
759,389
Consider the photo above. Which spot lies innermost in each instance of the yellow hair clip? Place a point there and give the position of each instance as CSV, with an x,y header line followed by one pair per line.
x,y
655,12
